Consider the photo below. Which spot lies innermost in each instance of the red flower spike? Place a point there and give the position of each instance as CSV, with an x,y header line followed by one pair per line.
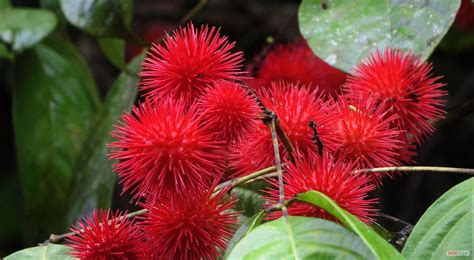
x,y
296,63
295,107
188,62
119,239
197,225
465,17
362,134
330,176
162,149
229,111
404,83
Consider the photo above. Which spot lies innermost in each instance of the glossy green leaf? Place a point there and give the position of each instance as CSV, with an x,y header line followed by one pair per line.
x,y
379,246
245,227
114,51
300,238
110,18
346,32
94,180
447,226
55,101
25,27
48,252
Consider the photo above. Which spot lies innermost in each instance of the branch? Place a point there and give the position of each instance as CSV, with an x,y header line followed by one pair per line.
x,y
191,13
53,238
276,150
418,169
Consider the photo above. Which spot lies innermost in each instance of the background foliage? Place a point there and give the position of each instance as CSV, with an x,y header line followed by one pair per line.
x,y
65,82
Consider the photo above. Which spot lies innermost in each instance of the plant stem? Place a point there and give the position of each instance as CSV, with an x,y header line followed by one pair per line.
x,y
418,169
191,13
279,171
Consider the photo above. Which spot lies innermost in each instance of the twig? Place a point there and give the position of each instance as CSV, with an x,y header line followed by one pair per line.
x,y
276,150
193,11
315,138
53,238
418,169
278,206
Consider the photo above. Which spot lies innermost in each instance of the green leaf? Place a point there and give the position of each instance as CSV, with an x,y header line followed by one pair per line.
x,y
114,51
94,180
55,101
346,32
381,248
249,200
300,238
109,18
5,4
24,27
246,226
5,53
446,225
50,251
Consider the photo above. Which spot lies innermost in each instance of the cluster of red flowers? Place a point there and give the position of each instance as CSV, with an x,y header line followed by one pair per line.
x,y
199,125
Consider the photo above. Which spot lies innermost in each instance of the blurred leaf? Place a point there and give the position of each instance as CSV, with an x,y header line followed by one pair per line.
x,y
110,18
55,7
50,251
381,248
23,27
114,51
346,32
54,103
4,52
249,200
12,203
244,229
456,40
300,238
5,4
446,225
94,180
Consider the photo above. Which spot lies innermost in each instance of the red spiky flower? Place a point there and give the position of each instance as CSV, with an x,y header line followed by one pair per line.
x,y
465,17
106,235
334,178
295,107
229,111
296,63
362,134
188,62
405,85
163,149
196,225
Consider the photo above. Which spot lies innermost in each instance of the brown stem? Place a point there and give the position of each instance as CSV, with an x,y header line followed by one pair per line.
x,y
191,13
418,169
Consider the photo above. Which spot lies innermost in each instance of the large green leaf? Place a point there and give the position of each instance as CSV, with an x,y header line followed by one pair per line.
x,y
300,238
111,18
447,226
24,27
54,103
245,227
48,252
94,180
344,32
381,248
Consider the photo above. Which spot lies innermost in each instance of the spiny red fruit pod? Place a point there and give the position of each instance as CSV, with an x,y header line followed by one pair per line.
x,y
404,84
363,134
465,17
162,149
106,235
328,175
188,62
296,63
295,107
229,111
197,225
